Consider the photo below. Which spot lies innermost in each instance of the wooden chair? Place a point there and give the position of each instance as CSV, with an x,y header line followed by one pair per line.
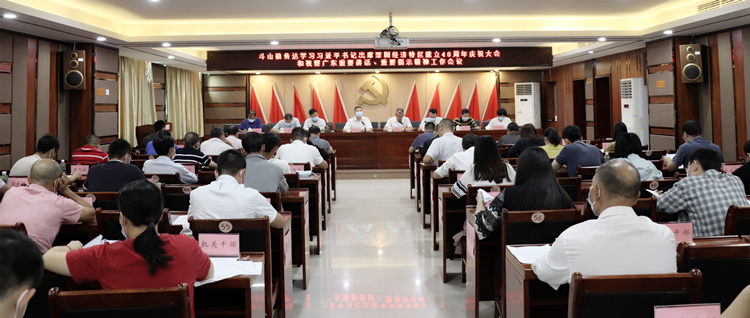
x,y
471,192
630,295
653,154
255,236
646,207
116,303
142,156
510,161
18,227
108,223
292,179
193,167
572,186
454,175
164,178
737,221
504,151
659,164
103,200
586,173
206,177
296,165
274,197
177,197
723,262
138,163
730,167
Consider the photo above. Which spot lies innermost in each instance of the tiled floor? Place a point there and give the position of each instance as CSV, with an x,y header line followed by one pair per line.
x,y
377,260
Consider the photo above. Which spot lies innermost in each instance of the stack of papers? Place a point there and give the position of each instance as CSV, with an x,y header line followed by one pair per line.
x,y
228,267
180,220
529,254
99,240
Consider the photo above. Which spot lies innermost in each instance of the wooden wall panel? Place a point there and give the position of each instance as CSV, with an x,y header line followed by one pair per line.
x,y
661,84
715,90
225,81
31,95
160,74
42,93
726,91
746,76
107,60
105,124
739,90
5,129
660,52
82,104
6,88
686,95
224,97
19,101
105,92
5,162
159,99
6,47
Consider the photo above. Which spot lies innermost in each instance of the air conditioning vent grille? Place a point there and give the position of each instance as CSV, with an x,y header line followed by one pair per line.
x,y
524,89
626,89
715,4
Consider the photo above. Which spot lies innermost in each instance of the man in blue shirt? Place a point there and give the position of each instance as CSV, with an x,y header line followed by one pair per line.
x,y
576,153
251,122
150,145
691,133
429,133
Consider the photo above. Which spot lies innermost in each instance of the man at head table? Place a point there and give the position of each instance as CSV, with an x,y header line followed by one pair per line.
x,y
501,120
289,122
618,242
398,121
358,121
251,122
432,117
314,120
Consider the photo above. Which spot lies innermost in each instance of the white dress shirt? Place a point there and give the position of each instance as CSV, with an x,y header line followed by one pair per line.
x,y
353,122
424,121
165,165
283,124
393,122
461,187
298,152
225,198
617,243
496,121
214,147
236,142
284,165
444,147
459,161
22,167
320,123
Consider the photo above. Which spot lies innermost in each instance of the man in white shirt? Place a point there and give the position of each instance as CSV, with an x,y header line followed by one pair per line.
x,y
445,145
358,121
228,198
617,243
163,164
217,144
233,137
288,123
314,120
398,121
46,148
299,151
271,143
460,161
501,120
432,117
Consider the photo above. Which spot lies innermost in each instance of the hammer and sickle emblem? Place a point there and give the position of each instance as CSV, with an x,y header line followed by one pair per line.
x,y
380,96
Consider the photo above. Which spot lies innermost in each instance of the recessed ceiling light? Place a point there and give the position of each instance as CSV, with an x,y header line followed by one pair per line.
x,y
496,70
591,52
166,44
602,39
437,71
377,72
101,39
274,42
668,32
154,0
9,16
496,40
170,57
317,72
257,73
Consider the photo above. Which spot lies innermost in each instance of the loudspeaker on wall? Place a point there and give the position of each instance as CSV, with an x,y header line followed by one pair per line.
x,y
692,63
74,70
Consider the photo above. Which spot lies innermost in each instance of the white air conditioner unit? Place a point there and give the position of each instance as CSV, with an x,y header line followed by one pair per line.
x,y
634,103
528,104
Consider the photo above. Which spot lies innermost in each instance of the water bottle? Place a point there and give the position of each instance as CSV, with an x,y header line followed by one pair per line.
x,y
606,156
5,176
63,166
186,230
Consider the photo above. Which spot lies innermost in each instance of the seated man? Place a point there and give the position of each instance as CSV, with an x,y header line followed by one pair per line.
x,y
576,153
164,164
46,148
691,133
261,175
116,173
159,125
512,137
459,161
322,152
217,144
315,121
251,122
501,120
21,268
466,120
40,208
432,117
190,153
421,138
150,145
319,142
228,198
618,242
445,145
90,153
271,143
233,137
289,122
299,151
398,121
705,195
358,121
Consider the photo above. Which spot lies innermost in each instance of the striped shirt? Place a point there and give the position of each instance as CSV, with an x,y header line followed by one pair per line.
x,y
191,155
88,155
471,123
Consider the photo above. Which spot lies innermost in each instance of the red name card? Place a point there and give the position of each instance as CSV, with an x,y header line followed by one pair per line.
x,y
168,127
688,311
84,169
88,199
397,129
605,145
356,129
683,232
499,127
729,169
258,130
464,128
295,168
190,168
220,244
18,182
180,146
282,130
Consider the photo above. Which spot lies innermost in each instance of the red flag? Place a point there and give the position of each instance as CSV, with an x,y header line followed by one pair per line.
x,y
473,105
454,107
434,102
339,110
256,106
318,104
492,105
277,111
412,105
299,111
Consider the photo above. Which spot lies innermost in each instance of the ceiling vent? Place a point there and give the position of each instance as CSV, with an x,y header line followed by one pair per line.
x,y
715,4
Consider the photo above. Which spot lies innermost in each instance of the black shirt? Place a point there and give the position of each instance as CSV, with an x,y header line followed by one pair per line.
x,y
111,176
426,146
744,174
523,144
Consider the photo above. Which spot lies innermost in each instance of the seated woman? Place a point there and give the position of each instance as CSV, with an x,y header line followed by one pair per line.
x,y
552,142
528,139
629,149
488,168
146,259
617,130
536,188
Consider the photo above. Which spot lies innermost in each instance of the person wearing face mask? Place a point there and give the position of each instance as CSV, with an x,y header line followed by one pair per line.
x,y
501,120
445,145
358,121
314,120
40,208
398,121
251,122
46,148
116,173
190,152
432,117
228,198
705,195
466,120
21,268
691,134
618,242
164,164
289,122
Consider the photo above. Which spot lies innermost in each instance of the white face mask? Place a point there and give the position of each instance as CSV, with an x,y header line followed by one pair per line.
x,y
359,114
18,304
429,120
465,118
591,203
501,118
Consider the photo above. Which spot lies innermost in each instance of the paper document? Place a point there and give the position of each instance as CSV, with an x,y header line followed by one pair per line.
x,y
486,196
656,194
529,254
671,156
180,220
228,267
99,240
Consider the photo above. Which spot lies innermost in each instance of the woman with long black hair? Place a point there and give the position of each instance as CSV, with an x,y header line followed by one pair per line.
x,y
488,168
528,139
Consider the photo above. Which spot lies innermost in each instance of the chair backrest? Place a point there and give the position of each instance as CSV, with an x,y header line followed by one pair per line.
x,y
164,178
274,197
521,227
415,123
504,152
572,186
485,123
663,185
330,126
737,221
723,263
630,295
586,173
659,164
227,126
108,224
206,177
153,302
292,179
730,167
265,128
138,162
18,227
454,175
177,197
339,126
653,154
142,156
646,207
380,125
296,165
510,161
440,162
103,200
193,167
471,191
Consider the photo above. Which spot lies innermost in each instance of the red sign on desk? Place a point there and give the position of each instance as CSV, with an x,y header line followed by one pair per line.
x,y
295,168
499,127
464,128
397,129
84,169
356,129
683,232
258,130
220,244
190,168
18,182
